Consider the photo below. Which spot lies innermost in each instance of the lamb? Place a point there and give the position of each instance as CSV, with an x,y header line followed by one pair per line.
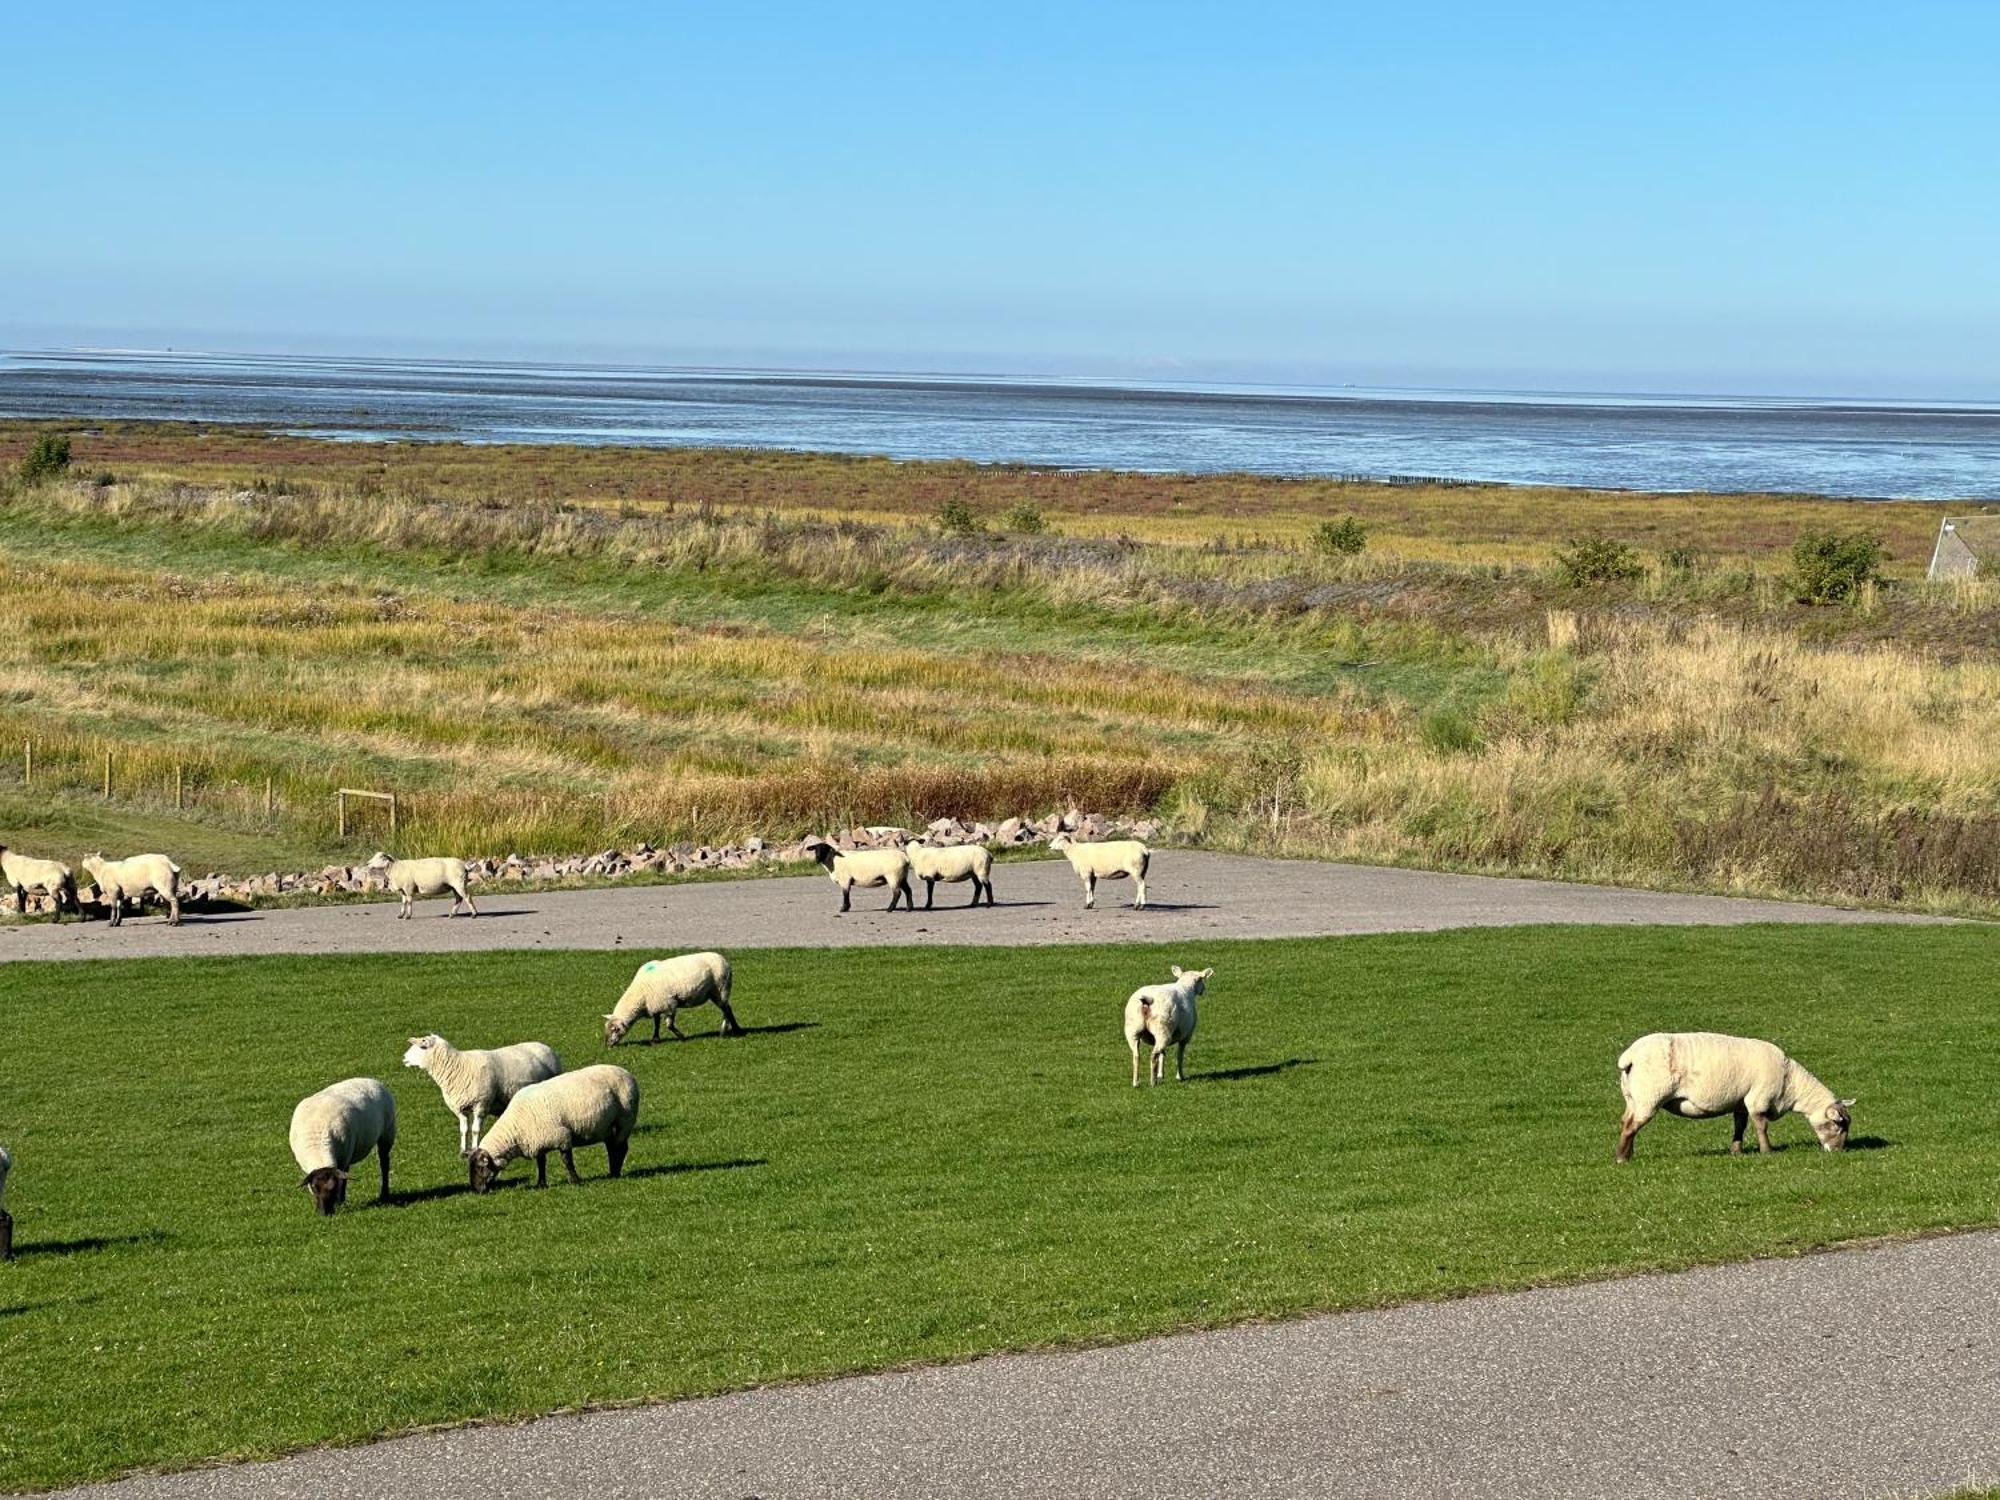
x,y
664,986
592,1106
952,863
1111,860
851,867
337,1127
1701,1074
477,1084
6,1219
122,880
411,878
1163,1016
22,873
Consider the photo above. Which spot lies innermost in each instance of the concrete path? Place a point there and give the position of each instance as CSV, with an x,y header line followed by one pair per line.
x,y
1192,896
1855,1374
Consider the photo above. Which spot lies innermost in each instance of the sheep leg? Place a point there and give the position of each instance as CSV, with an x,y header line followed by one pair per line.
x,y
404,914
1089,891
1159,1067
1736,1135
846,898
464,1145
1627,1128
976,888
382,1151
989,893
1133,1042
478,1123
541,1169
1763,1124
656,1026
909,896
930,892
1180,1062
729,1026
6,1235
173,909
679,1035
569,1165
1140,904
616,1151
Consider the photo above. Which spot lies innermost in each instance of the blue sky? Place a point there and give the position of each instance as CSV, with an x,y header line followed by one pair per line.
x,y
1743,197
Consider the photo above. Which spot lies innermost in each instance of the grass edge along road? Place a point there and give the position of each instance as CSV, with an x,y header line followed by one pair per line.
x,y
916,1156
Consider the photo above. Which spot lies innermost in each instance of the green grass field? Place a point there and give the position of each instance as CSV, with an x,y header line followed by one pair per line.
x,y
916,1156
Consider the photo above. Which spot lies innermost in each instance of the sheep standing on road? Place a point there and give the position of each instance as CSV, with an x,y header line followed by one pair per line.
x,y
1701,1074
1163,1016
22,873
1112,860
337,1127
133,879
952,863
867,867
479,1083
598,1105
664,986
411,878
6,1219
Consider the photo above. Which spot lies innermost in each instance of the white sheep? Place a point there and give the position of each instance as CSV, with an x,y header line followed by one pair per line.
x,y
598,1105
337,1127
1701,1074
122,880
952,863
23,873
411,878
6,1219
664,986
479,1083
1163,1016
866,867
1112,860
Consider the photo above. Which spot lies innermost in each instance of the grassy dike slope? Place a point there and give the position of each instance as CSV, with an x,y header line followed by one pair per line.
x,y
916,1156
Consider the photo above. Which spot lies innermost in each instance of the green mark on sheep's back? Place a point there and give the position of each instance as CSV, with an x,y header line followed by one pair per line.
x,y
1367,1120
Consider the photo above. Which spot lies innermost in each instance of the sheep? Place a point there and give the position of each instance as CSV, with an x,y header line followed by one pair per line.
x,y
6,1219
952,863
848,868
411,878
22,873
592,1106
1163,1016
337,1127
1701,1074
664,986
1113,860
122,880
479,1083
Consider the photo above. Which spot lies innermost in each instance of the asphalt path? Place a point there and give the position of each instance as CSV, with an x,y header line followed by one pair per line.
x,y
1860,1373
1192,896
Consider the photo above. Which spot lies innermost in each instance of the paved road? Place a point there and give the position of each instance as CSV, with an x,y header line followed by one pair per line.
x,y
1861,1373
1193,896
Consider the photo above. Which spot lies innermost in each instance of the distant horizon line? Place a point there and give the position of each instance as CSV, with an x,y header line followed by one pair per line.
x,y
1189,385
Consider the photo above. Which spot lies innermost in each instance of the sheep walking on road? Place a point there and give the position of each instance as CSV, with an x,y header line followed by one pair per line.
x,y
480,1083
665,986
1162,1016
848,868
22,873
1112,860
133,879
952,863
598,1105
411,878
337,1127
1701,1074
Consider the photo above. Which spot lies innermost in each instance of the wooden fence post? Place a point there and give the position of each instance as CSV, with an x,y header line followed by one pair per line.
x,y
340,802
107,776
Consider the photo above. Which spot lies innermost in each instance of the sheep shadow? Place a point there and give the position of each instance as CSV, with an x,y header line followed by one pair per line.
x,y
1868,1143
415,1196
1174,906
1260,1070
776,1028
681,1168
89,1243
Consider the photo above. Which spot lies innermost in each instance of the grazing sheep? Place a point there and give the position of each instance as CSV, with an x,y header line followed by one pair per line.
x,y
1163,1016
337,1127
851,867
22,873
411,878
664,986
480,1083
592,1106
1701,1074
122,880
6,1219
952,863
1112,860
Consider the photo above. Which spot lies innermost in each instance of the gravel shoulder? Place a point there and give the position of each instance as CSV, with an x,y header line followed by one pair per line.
x,y
1193,896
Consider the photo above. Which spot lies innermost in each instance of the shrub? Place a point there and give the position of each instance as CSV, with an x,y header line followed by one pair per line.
x,y
1449,731
48,458
1681,559
1026,518
956,518
1343,538
1596,559
1831,567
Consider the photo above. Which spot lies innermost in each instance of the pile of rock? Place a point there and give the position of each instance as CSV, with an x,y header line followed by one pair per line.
x,y
680,859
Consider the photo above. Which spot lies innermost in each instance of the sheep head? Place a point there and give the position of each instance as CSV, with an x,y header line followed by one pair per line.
x,y
1061,841
824,852
378,861
419,1054
1833,1123
484,1170
614,1029
1195,979
328,1186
